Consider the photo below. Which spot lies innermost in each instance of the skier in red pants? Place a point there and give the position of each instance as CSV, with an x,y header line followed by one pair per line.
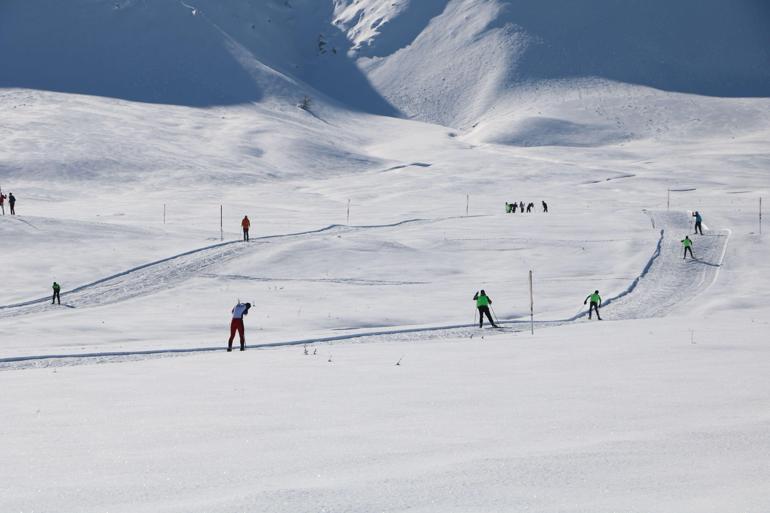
x,y
236,325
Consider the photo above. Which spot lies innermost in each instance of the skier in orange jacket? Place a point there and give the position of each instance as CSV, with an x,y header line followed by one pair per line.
x,y
245,224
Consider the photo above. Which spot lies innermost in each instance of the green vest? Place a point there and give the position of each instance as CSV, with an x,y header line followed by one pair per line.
x,y
596,298
56,287
687,243
482,301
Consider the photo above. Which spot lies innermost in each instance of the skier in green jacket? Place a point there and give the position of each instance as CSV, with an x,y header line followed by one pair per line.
x,y
687,244
482,303
56,288
596,302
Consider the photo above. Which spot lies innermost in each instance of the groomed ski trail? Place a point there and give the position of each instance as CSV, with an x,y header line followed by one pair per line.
x,y
168,272
665,283
668,281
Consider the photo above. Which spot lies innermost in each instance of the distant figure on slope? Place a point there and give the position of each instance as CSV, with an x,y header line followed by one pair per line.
x,y
236,325
596,302
56,288
521,207
508,208
245,224
545,207
12,203
530,206
2,201
514,205
687,245
698,222
482,303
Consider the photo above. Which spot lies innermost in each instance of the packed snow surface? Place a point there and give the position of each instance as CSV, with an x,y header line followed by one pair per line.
x,y
378,210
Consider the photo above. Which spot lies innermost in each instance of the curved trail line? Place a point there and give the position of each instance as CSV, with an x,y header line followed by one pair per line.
x,y
431,332
664,283
160,274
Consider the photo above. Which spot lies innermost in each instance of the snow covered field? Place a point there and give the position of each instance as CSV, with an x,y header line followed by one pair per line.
x,y
123,398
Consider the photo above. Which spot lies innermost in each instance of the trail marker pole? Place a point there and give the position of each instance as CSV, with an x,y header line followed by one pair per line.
x,y
531,305
467,203
348,216
668,199
221,225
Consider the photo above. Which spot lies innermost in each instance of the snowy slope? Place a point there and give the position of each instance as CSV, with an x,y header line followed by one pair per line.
x,y
369,236
451,62
199,53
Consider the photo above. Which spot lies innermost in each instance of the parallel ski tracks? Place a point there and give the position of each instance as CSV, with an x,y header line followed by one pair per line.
x,y
664,284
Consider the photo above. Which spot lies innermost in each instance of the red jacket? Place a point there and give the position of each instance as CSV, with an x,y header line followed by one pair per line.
x,y
246,223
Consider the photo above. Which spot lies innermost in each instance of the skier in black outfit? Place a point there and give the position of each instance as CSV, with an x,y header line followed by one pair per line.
x,y
521,207
12,203
482,303
545,207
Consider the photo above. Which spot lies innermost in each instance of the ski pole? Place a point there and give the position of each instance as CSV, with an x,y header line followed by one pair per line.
x,y
497,321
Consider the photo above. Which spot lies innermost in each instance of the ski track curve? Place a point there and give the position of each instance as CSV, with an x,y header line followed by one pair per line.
x,y
668,281
664,284
161,274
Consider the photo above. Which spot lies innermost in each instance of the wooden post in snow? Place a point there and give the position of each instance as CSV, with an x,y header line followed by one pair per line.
x,y
467,203
348,215
531,305
221,225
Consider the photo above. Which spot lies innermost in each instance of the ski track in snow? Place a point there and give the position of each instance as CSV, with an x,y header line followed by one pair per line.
x,y
162,274
666,282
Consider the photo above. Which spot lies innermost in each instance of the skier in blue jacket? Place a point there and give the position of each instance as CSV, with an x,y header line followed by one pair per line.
x,y
698,222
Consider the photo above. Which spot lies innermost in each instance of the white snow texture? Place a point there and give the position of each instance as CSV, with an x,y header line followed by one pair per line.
x,y
374,145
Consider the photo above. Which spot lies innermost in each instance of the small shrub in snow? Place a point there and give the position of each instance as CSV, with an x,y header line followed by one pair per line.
x,y
305,103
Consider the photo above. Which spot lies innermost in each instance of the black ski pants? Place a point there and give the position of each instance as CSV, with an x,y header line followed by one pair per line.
x,y
698,227
13,209
686,249
246,234
484,310
594,308
55,297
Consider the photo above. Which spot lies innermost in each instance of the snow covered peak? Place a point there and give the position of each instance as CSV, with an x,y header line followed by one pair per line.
x,y
451,62
455,62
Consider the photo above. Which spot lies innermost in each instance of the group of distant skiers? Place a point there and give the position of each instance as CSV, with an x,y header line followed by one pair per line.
x,y
11,202
510,208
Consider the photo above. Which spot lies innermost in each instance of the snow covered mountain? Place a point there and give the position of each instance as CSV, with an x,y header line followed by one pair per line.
x,y
444,61
375,146
198,53
456,62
